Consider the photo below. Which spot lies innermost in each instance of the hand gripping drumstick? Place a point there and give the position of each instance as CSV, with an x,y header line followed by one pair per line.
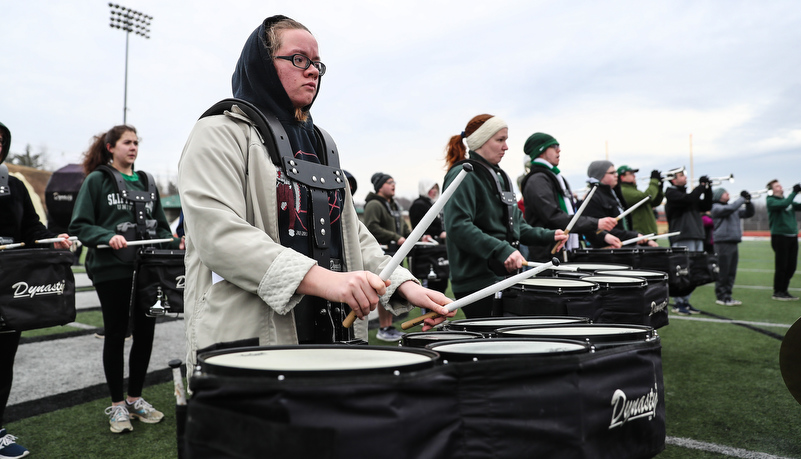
x,y
485,292
629,210
576,216
139,242
53,240
417,233
12,246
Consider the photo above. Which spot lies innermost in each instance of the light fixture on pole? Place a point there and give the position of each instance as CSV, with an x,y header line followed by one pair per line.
x,y
129,21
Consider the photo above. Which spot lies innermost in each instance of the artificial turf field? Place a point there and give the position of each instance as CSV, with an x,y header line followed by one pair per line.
x,y
724,393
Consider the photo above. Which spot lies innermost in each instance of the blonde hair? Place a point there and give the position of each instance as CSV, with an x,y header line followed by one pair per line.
x,y
274,42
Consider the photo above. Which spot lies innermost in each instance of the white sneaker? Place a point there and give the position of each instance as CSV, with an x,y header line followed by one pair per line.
x,y
119,419
389,334
144,411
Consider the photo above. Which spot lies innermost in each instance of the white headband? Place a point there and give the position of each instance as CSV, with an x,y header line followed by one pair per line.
x,y
485,132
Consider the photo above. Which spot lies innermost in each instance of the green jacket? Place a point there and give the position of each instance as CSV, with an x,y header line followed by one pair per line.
x,y
781,215
98,210
380,222
643,219
474,222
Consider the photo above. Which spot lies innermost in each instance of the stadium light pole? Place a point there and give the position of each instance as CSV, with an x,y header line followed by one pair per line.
x,y
129,21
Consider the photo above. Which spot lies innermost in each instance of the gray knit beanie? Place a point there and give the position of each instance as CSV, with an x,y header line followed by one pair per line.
x,y
717,194
598,169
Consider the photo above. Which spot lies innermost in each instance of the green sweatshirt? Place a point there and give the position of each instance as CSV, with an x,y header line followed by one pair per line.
x,y
474,222
98,210
642,218
781,215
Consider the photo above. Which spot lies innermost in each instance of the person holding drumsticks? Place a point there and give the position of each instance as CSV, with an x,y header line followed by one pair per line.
x,y
19,222
482,220
259,269
549,201
99,214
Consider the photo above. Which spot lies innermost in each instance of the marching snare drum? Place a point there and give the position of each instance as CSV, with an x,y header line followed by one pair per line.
x,y
591,267
622,300
656,293
598,335
487,325
422,339
500,348
550,296
625,256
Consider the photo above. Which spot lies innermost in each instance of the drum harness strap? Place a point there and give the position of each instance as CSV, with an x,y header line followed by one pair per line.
x,y
507,198
319,178
4,188
139,199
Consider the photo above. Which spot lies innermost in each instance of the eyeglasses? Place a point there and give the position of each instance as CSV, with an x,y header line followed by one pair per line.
x,y
302,62
612,173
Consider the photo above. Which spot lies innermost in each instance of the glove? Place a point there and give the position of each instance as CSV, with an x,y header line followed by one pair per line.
x,y
704,180
746,195
655,174
797,188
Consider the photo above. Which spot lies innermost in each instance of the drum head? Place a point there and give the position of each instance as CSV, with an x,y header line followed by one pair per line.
x,y
490,324
320,360
555,284
472,350
648,275
790,360
592,333
592,267
617,281
422,339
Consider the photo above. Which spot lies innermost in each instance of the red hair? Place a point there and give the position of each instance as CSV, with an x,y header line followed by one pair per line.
x,y
455,151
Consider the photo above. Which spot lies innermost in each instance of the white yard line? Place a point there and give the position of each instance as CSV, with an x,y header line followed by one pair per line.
x,y
720,449
724,321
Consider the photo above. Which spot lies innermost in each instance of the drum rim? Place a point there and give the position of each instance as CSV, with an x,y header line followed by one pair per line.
x,y
220,370
649,332
663,275
486,328
419,336
607,284
620,266
582,287
461,357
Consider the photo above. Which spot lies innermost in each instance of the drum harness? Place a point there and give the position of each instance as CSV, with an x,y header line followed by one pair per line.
x,y
320,179
4,191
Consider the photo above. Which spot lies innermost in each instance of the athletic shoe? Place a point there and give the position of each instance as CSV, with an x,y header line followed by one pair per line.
x,y
692,309
389,334
8,448
721,302
681,310
144,411
784,296
733,302
119,419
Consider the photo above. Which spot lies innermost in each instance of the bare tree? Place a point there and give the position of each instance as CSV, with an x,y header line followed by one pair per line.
x,y
36,161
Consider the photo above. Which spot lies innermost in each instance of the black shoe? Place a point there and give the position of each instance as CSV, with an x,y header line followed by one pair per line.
x,y
692,309
784,296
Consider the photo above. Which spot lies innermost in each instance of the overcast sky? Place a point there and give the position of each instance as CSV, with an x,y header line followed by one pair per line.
x,y
632,79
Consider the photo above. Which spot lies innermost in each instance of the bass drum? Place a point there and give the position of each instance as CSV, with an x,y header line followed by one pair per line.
x,y
622,300
551,297
656,293
486,326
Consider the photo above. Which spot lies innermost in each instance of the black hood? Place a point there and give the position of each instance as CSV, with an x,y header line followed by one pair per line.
x,y
6,142
256,81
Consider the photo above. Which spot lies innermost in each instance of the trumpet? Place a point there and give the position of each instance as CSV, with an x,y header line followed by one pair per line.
x,y
716,181
757,193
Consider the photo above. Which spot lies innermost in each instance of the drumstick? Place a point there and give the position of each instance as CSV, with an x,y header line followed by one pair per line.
x,y
53,240
629,210
636,239
485,292
178,382
139,242
417,233
576,216
662,236
12,246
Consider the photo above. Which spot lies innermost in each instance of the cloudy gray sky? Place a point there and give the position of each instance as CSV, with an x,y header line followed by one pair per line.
x,y
633,79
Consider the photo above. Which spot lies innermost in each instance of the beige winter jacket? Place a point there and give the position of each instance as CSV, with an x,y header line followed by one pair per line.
x,y
240,281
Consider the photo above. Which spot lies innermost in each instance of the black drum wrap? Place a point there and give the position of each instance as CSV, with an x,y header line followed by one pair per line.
x,y
603,404
422,339
622,300
656,293
159,276
624,255
487,325
549,296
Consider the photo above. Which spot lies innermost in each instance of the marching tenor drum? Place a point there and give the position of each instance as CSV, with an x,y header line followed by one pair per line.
x,y
487,325
656,293
320,401
422,339
622,300
674,261
548,296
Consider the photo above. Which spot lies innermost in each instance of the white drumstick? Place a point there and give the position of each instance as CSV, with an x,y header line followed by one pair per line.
x,y
12,246
53,240
139,242
410,241
662,236
576,216
636,239
629,210
485,292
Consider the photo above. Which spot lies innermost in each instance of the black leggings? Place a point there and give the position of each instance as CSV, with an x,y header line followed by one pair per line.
x,y
786,249
9,342
115,298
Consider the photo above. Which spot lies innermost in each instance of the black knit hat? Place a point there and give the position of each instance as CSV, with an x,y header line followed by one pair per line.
x,y
379,179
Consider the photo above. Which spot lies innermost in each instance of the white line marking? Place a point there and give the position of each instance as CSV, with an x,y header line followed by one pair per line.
x,y
80,325
723,321
720,449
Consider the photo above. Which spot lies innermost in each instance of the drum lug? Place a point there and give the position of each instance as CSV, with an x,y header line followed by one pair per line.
x,y
161,306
